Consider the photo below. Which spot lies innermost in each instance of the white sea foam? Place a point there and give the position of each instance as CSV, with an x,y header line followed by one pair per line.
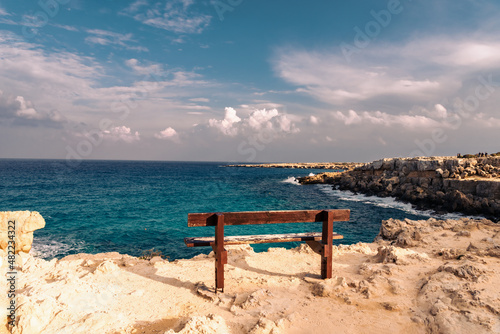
x,y
311,174
48,249
291,180
387,202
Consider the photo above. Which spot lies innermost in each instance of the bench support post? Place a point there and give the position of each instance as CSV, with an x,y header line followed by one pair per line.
x,y
219,252
316,246
327,241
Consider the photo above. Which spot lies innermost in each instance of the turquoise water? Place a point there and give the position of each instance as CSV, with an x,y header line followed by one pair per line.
x,y
133,206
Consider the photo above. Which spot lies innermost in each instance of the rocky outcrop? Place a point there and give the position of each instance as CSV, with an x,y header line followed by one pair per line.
x,y
425,276
25,223
320,178
306,165
449,297
445,184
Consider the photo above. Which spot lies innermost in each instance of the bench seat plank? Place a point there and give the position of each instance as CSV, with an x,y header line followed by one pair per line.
x,y
258,239
265,217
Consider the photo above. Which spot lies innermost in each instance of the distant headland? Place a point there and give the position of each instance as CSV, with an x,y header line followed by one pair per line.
x,y
305,165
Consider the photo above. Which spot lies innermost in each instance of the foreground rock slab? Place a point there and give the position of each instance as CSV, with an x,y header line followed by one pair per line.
x,y
428,276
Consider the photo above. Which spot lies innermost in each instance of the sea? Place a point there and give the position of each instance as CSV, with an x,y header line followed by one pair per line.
x,y
132,207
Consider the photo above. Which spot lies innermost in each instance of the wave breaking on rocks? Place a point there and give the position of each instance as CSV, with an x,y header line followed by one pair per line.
x,y
444,184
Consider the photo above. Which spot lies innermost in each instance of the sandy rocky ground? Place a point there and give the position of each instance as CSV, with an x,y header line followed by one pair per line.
x,y
429,276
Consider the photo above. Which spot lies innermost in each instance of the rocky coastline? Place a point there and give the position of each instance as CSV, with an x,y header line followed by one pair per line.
x,y
305,165
444,184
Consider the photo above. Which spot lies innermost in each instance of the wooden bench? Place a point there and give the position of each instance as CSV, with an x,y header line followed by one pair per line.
x,y
320,242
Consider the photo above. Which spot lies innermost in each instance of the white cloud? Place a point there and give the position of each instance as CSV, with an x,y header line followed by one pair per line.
x,y
24,61
200,99
176,16
26,109
19,109
484,121
3,12
226,125
262,118
157,78
169,133
4,20
122,133
104,37
286,125
417,71
351,117
314,120
468,53
328,78
153,69
75,86
134,7
179,40
182,78
257,121
379,118
65,27
441,111
195,107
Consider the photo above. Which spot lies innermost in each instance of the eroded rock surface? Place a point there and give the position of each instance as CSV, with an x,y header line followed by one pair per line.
x,y
26,223
448,184
425,276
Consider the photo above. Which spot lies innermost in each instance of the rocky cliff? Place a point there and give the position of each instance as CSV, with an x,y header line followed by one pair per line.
x,y
471,186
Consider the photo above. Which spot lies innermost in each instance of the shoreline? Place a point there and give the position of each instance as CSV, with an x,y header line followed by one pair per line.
x,y
468,185
442,184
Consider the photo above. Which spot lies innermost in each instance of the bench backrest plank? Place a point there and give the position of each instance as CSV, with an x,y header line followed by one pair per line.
x,y
266,217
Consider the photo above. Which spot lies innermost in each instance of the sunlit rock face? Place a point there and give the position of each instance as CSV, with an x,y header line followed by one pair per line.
x,y
25,223
468,185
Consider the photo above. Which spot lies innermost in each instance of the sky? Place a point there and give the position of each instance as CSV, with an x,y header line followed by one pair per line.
x,y
248,81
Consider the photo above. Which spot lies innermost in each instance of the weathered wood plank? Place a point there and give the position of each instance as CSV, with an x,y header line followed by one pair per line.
x,y
220,252
258,239
326,239
266,217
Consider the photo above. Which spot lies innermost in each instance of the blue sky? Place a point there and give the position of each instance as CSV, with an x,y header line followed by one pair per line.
x,y
239,80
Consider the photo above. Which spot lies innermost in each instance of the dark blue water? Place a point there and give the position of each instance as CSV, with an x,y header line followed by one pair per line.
x,y
133,206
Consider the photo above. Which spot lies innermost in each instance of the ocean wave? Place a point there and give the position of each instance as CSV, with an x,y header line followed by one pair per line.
x,y
291,180
388,202
311,174
48,249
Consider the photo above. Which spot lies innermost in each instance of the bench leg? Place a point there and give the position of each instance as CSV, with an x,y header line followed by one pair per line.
x,y
220,261
220,253
327,240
